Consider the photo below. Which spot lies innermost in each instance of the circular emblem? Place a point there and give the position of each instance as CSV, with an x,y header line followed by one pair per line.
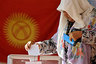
x,y
19,29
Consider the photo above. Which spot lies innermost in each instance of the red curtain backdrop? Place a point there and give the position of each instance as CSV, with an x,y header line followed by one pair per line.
x,y
42,11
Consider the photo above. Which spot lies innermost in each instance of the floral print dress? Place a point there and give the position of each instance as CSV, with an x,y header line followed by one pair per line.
x,y
89,36
83,52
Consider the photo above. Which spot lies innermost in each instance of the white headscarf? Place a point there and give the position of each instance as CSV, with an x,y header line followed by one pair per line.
x,y
74,8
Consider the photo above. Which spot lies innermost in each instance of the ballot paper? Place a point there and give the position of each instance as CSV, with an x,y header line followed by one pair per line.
x,y
34,50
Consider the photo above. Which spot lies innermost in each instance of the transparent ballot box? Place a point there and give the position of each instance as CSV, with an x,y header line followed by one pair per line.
x,y
29,59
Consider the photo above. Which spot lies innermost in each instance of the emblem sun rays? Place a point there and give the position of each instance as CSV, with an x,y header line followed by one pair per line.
x,y
19,29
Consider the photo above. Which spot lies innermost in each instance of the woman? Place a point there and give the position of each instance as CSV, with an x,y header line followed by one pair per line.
x,y
78,13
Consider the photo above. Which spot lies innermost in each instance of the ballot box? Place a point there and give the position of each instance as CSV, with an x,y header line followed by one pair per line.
x,y
29,59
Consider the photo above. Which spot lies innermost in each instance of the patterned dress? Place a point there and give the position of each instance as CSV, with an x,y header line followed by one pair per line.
x,y
83,52
89,36
48,47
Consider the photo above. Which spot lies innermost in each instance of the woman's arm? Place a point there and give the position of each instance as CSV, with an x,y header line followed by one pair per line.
x,y
46,46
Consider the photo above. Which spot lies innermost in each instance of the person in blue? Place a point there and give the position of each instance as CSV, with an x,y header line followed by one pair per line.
x,y
77,18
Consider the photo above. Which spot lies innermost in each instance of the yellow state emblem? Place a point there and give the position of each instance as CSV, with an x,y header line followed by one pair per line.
x,y
19,29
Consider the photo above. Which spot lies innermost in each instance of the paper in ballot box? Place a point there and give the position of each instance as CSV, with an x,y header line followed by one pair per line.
x,y
40,59
34,50
35,62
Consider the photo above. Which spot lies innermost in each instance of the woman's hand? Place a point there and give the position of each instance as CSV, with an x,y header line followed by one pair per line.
x,y
28,45
75,35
